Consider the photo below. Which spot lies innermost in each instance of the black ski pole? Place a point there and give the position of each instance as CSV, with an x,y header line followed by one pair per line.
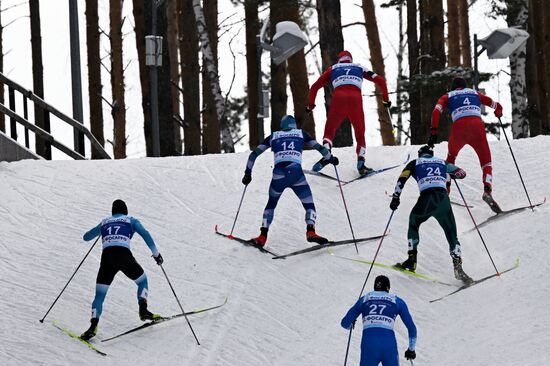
x,y
346,208
238,210
515,162
76,270
367,278
179,303
475,224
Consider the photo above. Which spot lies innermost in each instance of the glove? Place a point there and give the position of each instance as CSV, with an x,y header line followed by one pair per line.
x,y
410,355
158,259
247,178
394,202
458,174
498,111
433,139
333,160
387,103
309,109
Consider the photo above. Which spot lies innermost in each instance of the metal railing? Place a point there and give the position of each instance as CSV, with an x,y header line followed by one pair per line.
x,y
47,110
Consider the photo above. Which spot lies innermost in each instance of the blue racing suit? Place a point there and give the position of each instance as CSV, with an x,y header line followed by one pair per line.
x,y
379,310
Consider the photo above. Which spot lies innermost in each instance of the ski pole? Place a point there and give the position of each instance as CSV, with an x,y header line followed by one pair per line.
x,y
76,270
515,162
179,303
475,224
238,210
367,278
346,208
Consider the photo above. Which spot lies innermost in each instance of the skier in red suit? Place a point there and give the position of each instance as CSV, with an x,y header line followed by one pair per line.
x,y
464,104
347,78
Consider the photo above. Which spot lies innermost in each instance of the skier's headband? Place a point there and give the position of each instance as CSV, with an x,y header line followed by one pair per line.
x,y
345,58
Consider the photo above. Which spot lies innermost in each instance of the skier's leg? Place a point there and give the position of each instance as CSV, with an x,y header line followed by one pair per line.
x,y
108,268
135,272
457,140
276,188
481,147
357,119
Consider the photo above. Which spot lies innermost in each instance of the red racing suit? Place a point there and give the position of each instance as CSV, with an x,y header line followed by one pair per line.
x,y
468,127
347,79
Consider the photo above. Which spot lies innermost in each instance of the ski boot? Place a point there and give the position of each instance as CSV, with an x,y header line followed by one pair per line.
x,y
92,331
312,236
319,165
459,272
262,239
362,168
144,313
410,263
488,198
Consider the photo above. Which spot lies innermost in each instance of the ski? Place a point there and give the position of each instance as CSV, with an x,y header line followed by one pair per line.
x,y
505,213
248,242
463,287
374,172
388,266
327,245
323,175
164,319
73,335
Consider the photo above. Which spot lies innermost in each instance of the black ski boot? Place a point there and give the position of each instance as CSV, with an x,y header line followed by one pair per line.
x,y
459,272
488,198
410,263
362,168
262,239
92,331
144,313
312,237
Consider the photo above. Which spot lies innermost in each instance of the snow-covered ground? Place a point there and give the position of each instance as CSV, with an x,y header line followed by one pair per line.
x,y
280,312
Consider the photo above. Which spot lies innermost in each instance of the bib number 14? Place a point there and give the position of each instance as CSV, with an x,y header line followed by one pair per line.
x,y
289,147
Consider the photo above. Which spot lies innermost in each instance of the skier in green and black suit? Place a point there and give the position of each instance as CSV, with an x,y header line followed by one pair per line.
x,y
431,175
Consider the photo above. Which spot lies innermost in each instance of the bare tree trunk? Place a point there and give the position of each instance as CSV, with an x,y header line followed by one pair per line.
x,y
542,62
141,23
190,82
532,79
278,72
453,32
2,117
465,45
252,29
43,148
299,85
172,40
210,123
331,42
416,125
377,61
400,76
517,17
117,80
546,46
94,75
211,66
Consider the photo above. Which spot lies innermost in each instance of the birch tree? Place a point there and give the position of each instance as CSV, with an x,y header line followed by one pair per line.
x,y
211,67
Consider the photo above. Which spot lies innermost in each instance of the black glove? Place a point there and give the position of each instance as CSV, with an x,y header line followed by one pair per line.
x,y
387,104
247,178
394,202
158,259
433,138
333,160
410,355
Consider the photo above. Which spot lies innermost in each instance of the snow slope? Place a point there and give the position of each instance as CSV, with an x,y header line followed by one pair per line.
x,y
280,312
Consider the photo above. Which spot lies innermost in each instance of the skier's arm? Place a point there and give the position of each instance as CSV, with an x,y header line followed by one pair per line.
x,y
455,171
311,142
405,174
485,100
379,81
437,111
408,321
321,82
266,144
138,228
349,319
92,233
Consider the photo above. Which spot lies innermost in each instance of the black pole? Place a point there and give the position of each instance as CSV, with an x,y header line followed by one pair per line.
x,y
367,278
475,224
181,308
515,162
76,270
238,210
346,208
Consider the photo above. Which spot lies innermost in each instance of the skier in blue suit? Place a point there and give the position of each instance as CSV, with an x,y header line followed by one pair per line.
x,y
116,233
287,146
379,309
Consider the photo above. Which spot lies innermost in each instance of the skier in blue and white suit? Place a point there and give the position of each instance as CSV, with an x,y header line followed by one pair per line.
x,y
287,146
379,309
116,233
